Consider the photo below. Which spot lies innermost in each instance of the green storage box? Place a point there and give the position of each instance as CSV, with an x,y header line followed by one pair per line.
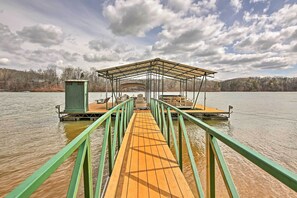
x,y
76,96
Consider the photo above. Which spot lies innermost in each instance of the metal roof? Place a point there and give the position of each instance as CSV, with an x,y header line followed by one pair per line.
x,y
156,66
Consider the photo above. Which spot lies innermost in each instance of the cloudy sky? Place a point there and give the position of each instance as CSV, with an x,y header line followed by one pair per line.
x,y
234,37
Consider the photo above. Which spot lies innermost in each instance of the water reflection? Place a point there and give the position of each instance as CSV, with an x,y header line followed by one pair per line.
x,y
73,129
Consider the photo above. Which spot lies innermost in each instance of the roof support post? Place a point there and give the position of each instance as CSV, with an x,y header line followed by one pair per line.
x,y
163,80
112,91
179,87
159,77
194,87
186,89
116,90
106,105
195,102
204,91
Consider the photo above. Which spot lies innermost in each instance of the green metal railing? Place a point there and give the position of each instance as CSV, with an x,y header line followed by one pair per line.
x,y
213,151
81,143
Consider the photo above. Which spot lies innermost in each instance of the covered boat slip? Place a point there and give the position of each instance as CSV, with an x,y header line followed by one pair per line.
x,y
153,73
149,78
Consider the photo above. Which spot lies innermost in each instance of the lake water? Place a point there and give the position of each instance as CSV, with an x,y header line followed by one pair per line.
x,y
30,134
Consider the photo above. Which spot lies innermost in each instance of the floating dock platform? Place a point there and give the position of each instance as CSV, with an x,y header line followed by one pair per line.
x,y
96,110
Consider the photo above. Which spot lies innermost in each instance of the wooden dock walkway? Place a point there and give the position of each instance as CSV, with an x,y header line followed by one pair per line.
x,y
145,166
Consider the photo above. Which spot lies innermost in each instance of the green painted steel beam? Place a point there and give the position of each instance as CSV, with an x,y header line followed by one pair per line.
x,y
210,168
122,124
102,158
115,134
27,187
282,174
88,175
224,168
173,134
77,170
180,144
164,125
191,156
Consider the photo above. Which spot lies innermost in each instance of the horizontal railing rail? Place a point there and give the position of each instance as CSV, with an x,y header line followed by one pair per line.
x,y
162,113
123,112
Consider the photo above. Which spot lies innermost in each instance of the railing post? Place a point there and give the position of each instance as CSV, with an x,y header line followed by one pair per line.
x,y
164,127
122,123
168,127
210,168
110,153
156,112
159,116
102,158
173,132
116,136
180,144
88,176
125,118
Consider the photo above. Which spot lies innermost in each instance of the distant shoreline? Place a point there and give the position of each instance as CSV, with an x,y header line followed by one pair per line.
x,y
49,81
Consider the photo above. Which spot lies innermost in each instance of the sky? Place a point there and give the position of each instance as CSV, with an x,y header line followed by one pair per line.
x,y
236,38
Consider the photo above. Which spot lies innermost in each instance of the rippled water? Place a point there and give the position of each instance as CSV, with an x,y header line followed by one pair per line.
x,y
30,134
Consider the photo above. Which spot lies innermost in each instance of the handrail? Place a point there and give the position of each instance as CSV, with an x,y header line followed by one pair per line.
x,y
83,164
213,151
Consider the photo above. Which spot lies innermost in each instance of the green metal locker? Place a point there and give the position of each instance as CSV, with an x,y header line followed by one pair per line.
x,y
76,96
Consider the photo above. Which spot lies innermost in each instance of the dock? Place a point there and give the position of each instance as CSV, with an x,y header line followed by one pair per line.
x,y
96,110
140,162
145,166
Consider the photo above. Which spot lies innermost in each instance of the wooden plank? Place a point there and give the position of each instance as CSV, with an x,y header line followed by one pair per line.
x,y
120,163
149,169
173,184
153,185
133,182
143,190
161,177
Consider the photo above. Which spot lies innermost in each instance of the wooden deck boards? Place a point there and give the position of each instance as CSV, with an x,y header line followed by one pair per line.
x,y
145,166
101,108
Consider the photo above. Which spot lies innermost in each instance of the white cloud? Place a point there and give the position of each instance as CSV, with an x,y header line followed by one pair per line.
x,y
185,34
136,17
4,61
236,4
193,32
43,34
203,7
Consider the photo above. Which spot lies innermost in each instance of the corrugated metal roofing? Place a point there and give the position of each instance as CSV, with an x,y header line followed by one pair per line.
x,y
156,66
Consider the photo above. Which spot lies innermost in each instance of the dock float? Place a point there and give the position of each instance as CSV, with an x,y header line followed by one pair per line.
x,y
140,163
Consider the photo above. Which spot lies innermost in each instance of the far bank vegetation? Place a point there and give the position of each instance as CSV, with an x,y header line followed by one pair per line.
x,y
49,80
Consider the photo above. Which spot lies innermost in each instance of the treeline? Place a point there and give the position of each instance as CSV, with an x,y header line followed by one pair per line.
x,y
50,79
47,80
260,84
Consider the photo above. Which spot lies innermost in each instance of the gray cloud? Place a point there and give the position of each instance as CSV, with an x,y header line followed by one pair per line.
x,y
43,34
9,42
91,57
50,55
179,5
99,45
